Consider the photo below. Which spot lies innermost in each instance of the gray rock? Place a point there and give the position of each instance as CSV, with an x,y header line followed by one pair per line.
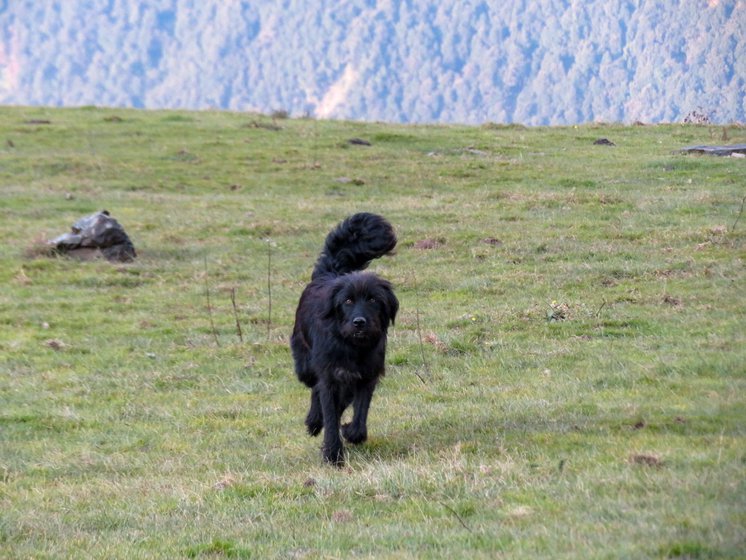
x,y
97,232
716,150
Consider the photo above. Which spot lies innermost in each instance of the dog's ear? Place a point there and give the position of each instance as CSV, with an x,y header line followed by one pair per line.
x,y
329,309
391,304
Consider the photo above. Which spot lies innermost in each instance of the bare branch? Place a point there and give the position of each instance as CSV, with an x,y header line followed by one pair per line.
x,y
209,306
419,331
269,288
733,228
457,516
598,312
235,314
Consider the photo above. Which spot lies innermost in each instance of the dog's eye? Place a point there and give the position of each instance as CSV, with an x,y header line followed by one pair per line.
x,y
371,300
348,301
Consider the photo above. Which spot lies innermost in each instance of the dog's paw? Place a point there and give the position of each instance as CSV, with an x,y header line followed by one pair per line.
x,y
314,427
352,435
334,455
314,423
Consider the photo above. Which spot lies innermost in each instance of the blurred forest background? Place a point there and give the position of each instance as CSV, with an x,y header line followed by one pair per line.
x,y
536,62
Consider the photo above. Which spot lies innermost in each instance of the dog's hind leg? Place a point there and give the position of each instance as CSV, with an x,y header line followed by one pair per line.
x,y
314,419
357,430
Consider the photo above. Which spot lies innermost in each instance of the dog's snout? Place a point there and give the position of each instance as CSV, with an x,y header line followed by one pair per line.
x,y
359,321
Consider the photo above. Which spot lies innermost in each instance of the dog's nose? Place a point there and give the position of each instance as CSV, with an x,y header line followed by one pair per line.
x,y
359,321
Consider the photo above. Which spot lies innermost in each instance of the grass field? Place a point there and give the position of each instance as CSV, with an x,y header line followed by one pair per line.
x,y
566,378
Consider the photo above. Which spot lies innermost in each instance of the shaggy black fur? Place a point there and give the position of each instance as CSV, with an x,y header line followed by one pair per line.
x,y
339,338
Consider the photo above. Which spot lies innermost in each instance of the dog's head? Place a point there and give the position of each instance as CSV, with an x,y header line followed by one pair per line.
x,y
363,305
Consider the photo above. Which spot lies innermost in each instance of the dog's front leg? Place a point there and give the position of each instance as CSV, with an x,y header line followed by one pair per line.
x,y
315,417
357,430
333,450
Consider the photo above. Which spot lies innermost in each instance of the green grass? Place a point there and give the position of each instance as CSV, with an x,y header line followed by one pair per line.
x,y
578,320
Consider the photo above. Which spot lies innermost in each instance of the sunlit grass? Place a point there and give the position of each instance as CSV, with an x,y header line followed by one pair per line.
x,y
565,376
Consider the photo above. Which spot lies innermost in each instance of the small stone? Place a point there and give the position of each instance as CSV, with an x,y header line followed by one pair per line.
x,y
603,142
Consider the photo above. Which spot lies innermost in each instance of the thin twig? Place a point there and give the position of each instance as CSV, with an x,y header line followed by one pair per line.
x,y
269,288
457,516
598,313
732,229
209,306
235,314
419,331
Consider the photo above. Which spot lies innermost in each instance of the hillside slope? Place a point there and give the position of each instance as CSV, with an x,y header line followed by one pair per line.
x,y
534,62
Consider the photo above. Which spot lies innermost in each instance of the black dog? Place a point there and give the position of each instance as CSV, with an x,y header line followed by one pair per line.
x,y
339,338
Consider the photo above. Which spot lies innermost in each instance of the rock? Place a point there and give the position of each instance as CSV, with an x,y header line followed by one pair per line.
x,y
603,142
358,142
429,243
348,180
94,234
732,150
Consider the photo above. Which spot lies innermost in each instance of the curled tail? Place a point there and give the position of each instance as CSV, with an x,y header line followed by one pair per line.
x,y
354,243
